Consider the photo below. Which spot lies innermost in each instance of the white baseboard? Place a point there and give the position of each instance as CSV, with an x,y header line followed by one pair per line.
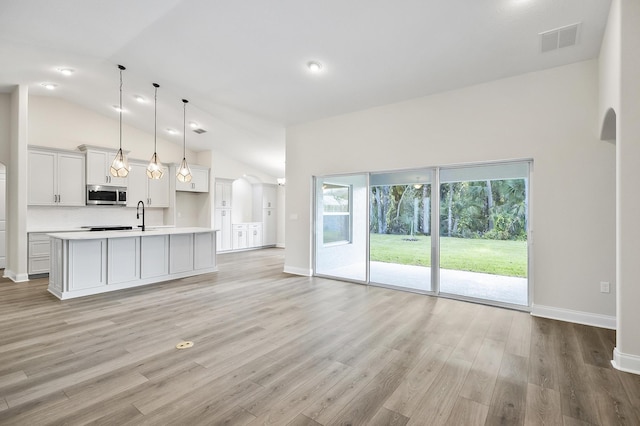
x,y
298,271
16,278
280,245
579,317
625,362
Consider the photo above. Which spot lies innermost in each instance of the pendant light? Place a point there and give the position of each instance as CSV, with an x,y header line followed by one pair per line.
x,y
120,166
154,169
184,172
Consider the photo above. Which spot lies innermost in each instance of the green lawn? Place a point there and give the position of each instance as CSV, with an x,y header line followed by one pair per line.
x,y
507,258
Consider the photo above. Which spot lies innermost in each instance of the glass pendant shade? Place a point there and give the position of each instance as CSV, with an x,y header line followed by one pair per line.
x,y
154,169
184,172
120,165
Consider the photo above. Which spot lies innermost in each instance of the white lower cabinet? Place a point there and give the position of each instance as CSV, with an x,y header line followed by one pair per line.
x,y
254,235
239,236
204,251
155,256
124,260
87,263
180,253
38,256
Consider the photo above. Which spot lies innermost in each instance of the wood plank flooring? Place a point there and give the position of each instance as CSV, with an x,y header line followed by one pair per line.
x,y
277,349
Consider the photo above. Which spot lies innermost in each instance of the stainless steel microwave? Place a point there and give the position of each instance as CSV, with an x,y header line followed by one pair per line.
x,y
100,195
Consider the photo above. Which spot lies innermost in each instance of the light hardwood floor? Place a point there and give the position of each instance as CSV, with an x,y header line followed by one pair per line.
x,y
272,348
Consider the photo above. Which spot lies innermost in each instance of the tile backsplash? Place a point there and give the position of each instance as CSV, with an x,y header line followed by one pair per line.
x,y
44,218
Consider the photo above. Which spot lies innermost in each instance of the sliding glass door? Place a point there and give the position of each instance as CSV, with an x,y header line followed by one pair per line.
x,y
457,231
341,227
483,232
400,229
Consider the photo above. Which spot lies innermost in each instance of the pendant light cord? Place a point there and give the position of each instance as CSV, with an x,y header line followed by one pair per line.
x,y
184,129
122,68
155,118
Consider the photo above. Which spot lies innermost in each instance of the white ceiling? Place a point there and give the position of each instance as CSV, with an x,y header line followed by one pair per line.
x,y
242,64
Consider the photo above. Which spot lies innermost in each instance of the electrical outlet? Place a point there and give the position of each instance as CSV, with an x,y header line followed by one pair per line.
x,y
604,287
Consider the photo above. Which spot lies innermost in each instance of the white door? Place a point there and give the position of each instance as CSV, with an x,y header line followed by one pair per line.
x,y
71,185
3,204
41,181
269,225
159,190
137,189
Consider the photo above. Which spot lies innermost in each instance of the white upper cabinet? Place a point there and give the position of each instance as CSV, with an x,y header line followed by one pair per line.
x,y
98,165
199,180
223,194
153,192
55,178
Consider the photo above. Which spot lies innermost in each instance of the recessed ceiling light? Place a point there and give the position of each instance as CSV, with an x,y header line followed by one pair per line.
x,y
49,86
66,71
117,108
140,99
314,67
194,125
172,131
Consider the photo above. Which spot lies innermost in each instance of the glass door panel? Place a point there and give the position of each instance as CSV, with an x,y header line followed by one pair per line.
x,y
341,225
483,232
400,229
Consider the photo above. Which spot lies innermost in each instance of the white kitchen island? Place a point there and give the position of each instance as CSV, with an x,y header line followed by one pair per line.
x,y
85,263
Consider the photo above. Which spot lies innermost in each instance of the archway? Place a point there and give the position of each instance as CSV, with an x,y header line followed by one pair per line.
x,y
608,130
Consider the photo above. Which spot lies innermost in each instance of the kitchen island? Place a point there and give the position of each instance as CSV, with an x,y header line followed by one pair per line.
x,y
85,263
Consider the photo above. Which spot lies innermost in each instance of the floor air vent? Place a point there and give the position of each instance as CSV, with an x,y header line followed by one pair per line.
x,y
559,38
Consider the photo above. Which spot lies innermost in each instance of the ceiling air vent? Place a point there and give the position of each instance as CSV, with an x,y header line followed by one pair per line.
x,y
559,37
199,131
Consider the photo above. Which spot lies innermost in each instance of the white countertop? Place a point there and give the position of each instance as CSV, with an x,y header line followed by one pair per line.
x,y
151,230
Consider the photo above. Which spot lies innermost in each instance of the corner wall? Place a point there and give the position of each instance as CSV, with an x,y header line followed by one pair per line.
x,y
547,116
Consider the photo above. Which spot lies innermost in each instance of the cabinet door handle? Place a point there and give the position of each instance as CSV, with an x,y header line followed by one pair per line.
x,y
59,198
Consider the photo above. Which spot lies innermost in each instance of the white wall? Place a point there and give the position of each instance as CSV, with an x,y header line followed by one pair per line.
x,y
549,116
5,136
627,352
3,220
57,123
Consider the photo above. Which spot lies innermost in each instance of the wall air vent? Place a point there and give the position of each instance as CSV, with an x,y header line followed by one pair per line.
x,y
559,37
199,131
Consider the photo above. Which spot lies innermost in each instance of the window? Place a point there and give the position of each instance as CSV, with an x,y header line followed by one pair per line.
x,y
336,213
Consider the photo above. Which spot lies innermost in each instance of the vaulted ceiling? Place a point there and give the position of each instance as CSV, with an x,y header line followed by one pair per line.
x,y
243,64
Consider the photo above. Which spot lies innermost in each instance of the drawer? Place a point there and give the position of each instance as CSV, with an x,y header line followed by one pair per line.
x,y
39,248
39,265
34,236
